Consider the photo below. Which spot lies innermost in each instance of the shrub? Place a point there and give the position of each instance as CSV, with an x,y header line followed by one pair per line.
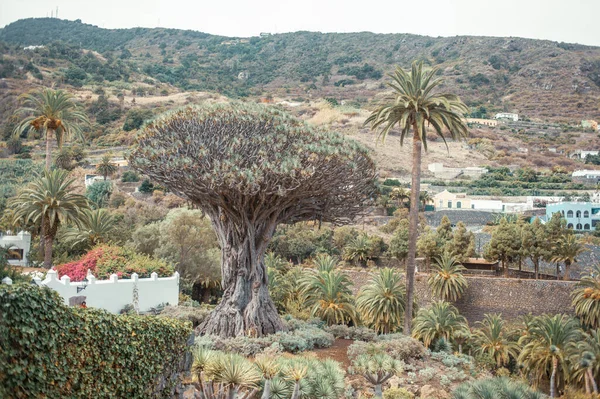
x,y
193,314
354,333
53,351
398,346
305,337
130,176
105,260
397,393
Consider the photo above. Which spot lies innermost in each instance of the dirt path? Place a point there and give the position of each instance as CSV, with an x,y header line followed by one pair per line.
x,y
338,352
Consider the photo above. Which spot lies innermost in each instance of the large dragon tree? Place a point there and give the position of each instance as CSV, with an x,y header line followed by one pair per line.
x,y
250,168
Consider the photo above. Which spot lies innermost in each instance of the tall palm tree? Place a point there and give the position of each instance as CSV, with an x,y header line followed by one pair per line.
x,y
546,347
493,338
96,227
568,248
49,200
412,105
106,167
381,302
329,296
446,280
53,113
586,297
440,320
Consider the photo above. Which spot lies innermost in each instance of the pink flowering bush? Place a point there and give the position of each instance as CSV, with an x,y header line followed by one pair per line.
x,y
105,260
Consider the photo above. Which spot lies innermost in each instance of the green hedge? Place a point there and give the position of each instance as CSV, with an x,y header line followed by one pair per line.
x,y
48,350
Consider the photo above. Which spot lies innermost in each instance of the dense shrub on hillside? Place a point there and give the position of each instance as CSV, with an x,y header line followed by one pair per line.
x,y
193,314
105,260
135,119
53,351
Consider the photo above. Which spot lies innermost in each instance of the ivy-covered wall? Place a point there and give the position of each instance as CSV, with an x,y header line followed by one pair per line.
x,y
48,350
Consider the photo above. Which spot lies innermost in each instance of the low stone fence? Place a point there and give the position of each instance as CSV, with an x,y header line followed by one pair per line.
x,y
511,297
114,294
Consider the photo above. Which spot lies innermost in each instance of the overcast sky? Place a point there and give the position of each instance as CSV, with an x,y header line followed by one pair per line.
x,y
575,21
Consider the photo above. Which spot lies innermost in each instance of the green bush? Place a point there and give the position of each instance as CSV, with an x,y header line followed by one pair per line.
x,y
397,393
99,193
300,337
354,333
130,176
193,314
398,346
53,351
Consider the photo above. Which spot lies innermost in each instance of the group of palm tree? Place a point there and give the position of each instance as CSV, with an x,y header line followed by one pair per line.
x,y
49,202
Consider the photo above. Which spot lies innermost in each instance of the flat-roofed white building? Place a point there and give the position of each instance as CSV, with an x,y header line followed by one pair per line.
x,y
507,115
18,246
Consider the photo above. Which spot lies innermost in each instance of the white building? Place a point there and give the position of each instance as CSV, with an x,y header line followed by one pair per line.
x,y
19,246
586,175
91,179
442,172
506,115
581,154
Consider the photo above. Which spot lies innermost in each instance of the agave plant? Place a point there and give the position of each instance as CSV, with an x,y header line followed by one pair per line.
x,y
440,320
377,369
446,280
382,301
586,297
329,296
495,388
585,361
493,338
546,348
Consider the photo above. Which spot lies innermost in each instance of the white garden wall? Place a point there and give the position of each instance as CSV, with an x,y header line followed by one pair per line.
x,y
114,294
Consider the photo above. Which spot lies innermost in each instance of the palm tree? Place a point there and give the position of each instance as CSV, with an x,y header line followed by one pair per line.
x,y
106,167
446,280
440,320
329,296
325,262
49,200
51,112
546,347
96,227
586,297
567,250
585,360
492,338
424,199
377,369
358,250
413,104
381,302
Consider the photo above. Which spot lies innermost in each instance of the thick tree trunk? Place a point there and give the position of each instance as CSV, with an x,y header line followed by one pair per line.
x,y
567,276
246,307
412,231
378,391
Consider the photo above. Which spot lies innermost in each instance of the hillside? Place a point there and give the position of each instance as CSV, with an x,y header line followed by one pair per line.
x,y
538,79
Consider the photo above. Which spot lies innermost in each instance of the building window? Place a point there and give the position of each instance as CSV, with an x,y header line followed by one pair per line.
x,y
441,203
578,214
578,227
586,226
15,254
586,214
570,214
458,204
570,226
472,206
449,204
563,213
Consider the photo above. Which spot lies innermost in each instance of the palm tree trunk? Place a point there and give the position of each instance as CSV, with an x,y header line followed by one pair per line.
x,y
586,378
48,252
267,389
378,391
566,277
592,380
296,393
412,230
553,377
49,148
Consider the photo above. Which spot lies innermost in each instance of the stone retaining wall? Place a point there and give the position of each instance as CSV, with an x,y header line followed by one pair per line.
x,y
509,296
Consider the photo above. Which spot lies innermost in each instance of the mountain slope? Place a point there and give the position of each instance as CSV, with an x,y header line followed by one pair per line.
x,y
537,79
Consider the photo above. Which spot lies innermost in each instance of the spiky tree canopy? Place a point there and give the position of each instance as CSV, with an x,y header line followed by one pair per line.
x,y
250,168
237,159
